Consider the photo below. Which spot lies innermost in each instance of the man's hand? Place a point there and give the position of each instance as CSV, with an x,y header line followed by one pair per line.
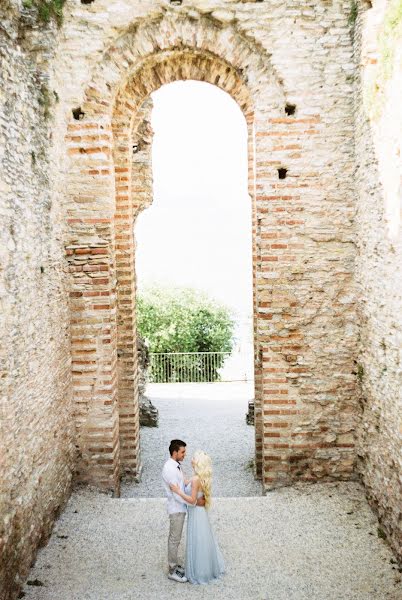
x,y
201,501
175,488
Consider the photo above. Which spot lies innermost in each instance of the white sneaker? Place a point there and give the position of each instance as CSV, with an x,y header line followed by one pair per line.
x,y
177,576
180,569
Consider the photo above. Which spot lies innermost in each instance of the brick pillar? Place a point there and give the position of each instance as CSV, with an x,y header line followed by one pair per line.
x,y
133,193
126,341
280,229
255,258
90,252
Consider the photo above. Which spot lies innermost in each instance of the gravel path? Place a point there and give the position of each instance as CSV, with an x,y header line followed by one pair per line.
x,y
315,542
210,417
309,542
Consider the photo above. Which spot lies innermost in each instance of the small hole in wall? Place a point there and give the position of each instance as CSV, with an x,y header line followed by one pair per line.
x,y
136,148
176,2
78,114
42,269
87,1
282,173
290,109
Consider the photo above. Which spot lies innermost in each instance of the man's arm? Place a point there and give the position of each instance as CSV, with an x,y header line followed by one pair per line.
x,y
169,476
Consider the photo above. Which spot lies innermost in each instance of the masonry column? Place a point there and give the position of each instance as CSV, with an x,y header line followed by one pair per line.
x,y
91,257
258,425
132,148
279,224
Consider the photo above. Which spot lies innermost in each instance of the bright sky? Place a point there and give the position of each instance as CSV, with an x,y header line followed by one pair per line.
x,y
197,232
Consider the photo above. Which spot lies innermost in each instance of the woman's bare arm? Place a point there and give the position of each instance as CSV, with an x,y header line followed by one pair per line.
x,y
195,486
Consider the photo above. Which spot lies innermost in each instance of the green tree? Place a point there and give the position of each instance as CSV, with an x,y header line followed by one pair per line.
x,y
175,320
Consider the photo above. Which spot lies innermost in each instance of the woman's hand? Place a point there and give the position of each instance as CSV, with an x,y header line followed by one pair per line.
x,y
175,488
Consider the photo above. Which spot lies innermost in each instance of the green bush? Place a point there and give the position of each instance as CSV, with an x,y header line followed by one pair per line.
x,y
175,320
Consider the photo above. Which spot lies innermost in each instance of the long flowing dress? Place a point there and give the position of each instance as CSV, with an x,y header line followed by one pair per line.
x,y
204,560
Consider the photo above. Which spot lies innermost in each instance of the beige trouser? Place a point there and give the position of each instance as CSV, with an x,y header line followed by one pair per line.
x,y
175,531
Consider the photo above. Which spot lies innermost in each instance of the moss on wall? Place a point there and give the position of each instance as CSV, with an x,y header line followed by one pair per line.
x,y
354,11
47,10
389,35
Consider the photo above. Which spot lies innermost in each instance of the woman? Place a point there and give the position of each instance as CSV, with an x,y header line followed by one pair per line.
x,y
204,561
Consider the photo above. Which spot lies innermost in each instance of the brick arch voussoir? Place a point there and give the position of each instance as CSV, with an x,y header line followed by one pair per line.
x,y
179,66
169,34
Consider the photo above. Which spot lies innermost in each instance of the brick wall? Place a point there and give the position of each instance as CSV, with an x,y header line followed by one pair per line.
x,y
302,201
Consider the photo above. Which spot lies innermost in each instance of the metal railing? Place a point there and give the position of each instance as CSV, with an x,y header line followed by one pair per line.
x,y
186,367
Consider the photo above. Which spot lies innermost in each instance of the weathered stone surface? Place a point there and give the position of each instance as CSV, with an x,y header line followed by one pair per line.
x,y
148,412
379,260
250,418
37,445
74,104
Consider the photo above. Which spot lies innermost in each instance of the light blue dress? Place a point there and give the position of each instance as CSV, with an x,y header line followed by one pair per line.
x,y
204,560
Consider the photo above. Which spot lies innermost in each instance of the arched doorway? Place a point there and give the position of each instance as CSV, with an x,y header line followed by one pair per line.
x,y
102,144
197,235
138,165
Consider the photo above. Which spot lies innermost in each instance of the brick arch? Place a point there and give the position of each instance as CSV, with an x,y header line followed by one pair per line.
x,y
169,33
134,193
166,67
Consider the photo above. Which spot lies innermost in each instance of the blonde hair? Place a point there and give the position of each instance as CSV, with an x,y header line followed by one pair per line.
x,y
202,465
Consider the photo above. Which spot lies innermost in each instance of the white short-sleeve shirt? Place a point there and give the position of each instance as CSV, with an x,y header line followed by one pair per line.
x,y
172,474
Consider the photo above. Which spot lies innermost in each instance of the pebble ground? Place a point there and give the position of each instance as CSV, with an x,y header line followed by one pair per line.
x,y
308,542
208,417
316,542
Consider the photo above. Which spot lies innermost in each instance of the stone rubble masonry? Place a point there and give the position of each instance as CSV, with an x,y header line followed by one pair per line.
x,y
37,452
76,172
149,414
378,266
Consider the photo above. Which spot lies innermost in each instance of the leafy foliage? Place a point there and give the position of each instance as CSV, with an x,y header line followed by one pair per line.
x,y
184,320
389,35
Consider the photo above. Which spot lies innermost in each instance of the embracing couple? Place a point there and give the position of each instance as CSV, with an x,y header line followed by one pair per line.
x,y
204,561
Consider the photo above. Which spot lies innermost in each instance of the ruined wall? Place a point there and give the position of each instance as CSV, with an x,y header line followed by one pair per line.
x,y
36,439
295,60
301,90
379,185
290,67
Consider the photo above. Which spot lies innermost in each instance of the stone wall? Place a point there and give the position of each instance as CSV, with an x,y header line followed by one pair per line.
x,y
379,186
36,426
75,103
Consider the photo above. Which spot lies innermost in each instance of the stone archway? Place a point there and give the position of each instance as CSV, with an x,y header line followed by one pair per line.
x,y
134,175
109,185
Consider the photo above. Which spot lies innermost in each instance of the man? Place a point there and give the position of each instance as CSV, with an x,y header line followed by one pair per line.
x,y
172,474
